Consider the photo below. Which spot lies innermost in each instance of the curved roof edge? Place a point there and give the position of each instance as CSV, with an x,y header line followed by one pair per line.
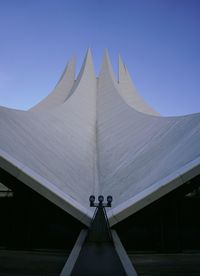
x,y
44,188
61,91
129,93
156,191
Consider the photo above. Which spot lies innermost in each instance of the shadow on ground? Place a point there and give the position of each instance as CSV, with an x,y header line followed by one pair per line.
x,y
50,263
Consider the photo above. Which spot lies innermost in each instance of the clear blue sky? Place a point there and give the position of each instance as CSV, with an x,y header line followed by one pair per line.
x,y
159,41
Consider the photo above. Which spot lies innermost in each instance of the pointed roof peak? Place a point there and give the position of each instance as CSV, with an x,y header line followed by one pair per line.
x,y
121,68
87,69
106,67
106,53
72,59
70,66
69,69
88,52
88,56
62,89
87,63
106,56
120,62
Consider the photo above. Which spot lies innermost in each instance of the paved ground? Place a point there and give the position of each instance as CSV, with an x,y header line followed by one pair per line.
x,y
167,264
42,263
31,263
98,260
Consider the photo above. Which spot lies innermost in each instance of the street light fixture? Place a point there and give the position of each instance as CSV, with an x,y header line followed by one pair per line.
x,y
101,200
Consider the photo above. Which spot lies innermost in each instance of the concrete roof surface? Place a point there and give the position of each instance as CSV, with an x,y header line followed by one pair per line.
x,y
98,136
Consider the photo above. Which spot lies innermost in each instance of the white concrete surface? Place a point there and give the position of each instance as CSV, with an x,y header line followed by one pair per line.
x,y
123,256
97,135
73,257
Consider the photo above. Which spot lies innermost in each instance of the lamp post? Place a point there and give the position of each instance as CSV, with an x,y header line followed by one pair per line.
x,y
101,203
99,230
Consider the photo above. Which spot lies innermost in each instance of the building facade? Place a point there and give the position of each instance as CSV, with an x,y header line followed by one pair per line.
x,y
96,135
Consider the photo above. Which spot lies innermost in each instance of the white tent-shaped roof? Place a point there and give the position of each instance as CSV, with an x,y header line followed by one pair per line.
x,y
98,136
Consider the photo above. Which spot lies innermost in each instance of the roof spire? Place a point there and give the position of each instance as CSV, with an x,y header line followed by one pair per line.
x,y
121,68
87,69
129,93
106,67
62,89
87,64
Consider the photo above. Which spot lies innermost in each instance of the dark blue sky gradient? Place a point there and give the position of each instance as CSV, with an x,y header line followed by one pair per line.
x,y
159,41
